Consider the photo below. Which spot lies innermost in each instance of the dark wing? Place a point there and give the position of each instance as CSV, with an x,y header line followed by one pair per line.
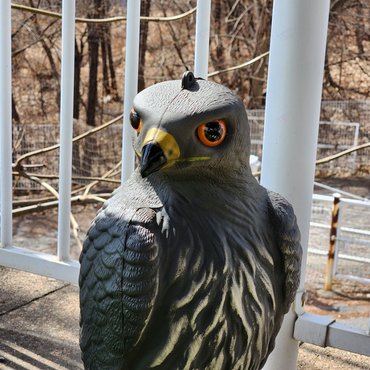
x,y
118,284
288,238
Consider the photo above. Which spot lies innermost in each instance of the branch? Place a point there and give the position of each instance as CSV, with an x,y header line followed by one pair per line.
x,y
74,223
41,206
334,156
83,178
100,20
108,173
343,153
56,146
249,62
41,36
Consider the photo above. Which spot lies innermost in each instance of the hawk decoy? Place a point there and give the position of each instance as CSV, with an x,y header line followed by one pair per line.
x,y
191,264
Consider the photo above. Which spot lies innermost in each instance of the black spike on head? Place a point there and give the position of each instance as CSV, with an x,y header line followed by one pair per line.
x,y
187,80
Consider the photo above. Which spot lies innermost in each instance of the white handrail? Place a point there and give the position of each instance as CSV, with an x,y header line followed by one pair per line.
x,y
324,331
131,76
202,38
329,198
5,125
335,190
66,128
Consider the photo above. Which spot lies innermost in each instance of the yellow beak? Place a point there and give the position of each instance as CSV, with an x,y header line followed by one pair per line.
x,y
159,150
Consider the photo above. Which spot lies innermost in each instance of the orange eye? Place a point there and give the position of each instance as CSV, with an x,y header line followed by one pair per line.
x,y
212,133
136,121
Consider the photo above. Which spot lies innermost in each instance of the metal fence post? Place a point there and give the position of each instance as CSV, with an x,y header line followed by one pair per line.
x,y
5,125
332,242
295,74
202,38
131,81
66,128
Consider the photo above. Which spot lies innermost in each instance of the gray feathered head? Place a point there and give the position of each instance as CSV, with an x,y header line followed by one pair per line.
x,y
190,124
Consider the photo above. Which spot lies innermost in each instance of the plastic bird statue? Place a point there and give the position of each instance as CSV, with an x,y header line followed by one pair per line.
x,y
191,264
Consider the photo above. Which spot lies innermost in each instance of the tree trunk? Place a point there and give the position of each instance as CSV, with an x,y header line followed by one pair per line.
x,y
15,115
114,90
77,80
93,40
218,53
104,57
92,98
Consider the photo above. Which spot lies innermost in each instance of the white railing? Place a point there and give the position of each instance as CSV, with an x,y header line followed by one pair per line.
x,y
5,125
358,236
342,135
66,129
60,266
131,75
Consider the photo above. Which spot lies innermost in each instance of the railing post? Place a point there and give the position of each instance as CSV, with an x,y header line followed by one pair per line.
x,y
332,242
131,81
295,74
66,128
5,125
202,38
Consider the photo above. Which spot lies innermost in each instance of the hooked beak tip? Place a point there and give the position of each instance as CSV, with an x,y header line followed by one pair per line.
x,y
152,159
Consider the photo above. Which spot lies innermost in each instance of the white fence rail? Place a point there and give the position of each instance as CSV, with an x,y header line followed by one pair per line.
x,y
60,266
351,258
66,129
5,125
333,136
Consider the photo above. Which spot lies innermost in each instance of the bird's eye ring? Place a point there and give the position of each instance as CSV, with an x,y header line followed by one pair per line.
x,y
212,133
136,121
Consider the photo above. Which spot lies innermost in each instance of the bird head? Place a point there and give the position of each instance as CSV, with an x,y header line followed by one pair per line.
x,y
190,125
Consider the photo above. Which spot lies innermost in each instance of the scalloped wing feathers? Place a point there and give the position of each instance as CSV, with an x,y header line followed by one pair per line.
x,y
118,281
288,239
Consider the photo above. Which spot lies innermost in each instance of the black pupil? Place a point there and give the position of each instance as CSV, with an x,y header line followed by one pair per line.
x,y
213,131
134,119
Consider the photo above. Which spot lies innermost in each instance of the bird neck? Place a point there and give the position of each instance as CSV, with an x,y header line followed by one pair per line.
x,y
210,185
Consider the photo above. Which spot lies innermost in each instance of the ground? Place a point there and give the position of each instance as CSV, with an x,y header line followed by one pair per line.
x,y
39,329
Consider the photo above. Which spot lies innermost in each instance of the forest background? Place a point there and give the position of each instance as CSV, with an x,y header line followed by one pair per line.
x,y
240,31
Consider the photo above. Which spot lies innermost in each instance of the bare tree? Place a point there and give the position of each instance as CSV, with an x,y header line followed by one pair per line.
x,y
144,11
93,40
347,60
79,54
241,31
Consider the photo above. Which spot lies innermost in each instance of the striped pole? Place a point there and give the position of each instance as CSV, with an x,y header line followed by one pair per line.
x,y
332,242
